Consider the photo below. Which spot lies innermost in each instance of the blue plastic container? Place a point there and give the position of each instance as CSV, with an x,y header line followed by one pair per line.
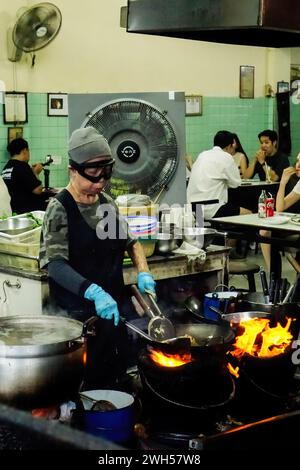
x,y
219,300
113,425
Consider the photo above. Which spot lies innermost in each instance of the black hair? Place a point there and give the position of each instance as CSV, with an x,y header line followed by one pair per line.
x,y
269,133
239,147
223,139
16,146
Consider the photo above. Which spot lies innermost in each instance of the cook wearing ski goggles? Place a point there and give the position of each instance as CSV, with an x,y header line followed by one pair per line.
x,y
94,171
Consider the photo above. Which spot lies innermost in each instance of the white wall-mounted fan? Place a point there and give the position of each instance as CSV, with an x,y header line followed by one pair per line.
x,y
35,28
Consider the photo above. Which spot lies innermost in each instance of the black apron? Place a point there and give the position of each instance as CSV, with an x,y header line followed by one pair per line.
x,y
99,261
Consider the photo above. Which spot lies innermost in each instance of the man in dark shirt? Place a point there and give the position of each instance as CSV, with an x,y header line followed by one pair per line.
x,y
268,161
24,187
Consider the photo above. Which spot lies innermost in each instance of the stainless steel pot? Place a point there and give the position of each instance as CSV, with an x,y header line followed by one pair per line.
x,y
41,360
166,243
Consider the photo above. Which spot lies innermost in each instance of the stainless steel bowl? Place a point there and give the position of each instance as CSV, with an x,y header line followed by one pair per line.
x,y
14,226
199,236
166,243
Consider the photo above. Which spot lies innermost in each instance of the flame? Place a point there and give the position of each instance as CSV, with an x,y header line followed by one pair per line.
x,y
84,358
233,371
260,340
52,412
170,360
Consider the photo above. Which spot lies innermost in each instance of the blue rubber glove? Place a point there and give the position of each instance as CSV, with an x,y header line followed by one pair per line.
x,y
106,306
145,282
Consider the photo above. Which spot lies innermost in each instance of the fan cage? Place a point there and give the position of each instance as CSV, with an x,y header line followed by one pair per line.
x,y
143,118
43,15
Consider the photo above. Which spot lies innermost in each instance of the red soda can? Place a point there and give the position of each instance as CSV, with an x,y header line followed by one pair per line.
x,y
270,204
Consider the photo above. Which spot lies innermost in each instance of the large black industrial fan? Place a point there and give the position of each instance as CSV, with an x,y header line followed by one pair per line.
x,y
143,142
36,27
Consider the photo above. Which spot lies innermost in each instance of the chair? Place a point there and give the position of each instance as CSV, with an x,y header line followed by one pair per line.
x,y
244,268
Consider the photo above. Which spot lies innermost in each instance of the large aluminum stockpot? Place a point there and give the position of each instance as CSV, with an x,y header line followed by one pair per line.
x,y
41,360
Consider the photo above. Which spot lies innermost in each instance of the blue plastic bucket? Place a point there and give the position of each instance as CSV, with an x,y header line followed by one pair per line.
x,y
219,300
113,425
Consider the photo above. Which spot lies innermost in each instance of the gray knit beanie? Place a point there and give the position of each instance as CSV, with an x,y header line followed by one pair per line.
x,y
86,143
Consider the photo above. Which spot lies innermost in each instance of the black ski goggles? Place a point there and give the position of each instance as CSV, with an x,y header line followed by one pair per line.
x,y
94,171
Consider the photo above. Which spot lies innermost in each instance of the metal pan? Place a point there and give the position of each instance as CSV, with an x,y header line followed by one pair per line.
x,y
237,317
206,335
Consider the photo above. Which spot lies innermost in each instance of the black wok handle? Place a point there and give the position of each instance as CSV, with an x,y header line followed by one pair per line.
x,y
202,319
283,289
218,312
137,307
277,291
142,301
136,329
264,282
272,288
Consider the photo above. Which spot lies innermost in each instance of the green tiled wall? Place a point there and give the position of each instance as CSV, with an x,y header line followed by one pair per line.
x,y
46,135
245,117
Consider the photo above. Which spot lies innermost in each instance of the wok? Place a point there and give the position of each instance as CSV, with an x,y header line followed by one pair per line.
x,y
204,335
190,337
237,317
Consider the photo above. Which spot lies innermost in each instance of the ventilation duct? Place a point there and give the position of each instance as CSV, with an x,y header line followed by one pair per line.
x,y
267,23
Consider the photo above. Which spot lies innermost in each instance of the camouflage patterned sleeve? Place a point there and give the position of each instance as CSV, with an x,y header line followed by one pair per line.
x,y
54,237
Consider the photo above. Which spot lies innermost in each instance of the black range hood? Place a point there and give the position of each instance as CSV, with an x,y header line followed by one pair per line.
x,y
266,23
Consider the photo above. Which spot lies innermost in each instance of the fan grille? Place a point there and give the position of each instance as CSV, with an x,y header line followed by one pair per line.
x,y
143,142
36,27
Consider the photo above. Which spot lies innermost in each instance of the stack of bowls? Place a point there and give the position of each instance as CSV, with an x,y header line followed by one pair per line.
x,y
143,226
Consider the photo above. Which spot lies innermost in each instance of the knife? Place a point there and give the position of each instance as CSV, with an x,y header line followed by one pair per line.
x,y
277,291
264,282
283,291
272,288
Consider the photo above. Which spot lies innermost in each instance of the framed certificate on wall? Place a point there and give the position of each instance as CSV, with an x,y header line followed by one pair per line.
x,y
15,107
246,81
193,105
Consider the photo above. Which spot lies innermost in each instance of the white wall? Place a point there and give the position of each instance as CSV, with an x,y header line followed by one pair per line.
x,y
92,53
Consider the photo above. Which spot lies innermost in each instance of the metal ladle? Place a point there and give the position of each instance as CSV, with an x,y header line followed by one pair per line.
x,y
159,328
98,405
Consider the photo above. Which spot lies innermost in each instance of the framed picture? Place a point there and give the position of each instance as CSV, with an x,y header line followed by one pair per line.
x,y
282,87
246,81
58,104
193,105
15,107
14,133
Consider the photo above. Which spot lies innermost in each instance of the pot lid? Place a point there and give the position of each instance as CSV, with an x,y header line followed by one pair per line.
x,y
37,331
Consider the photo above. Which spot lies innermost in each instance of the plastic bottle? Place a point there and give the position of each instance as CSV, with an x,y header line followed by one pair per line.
x,y
262,204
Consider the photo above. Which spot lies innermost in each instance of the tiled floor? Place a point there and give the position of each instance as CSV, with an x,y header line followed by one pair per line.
x,y
241,282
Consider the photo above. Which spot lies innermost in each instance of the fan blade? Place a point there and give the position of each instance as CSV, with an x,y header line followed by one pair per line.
x,y
25,35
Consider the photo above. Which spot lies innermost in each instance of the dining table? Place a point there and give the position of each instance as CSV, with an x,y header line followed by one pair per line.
x,y
247,194
284,228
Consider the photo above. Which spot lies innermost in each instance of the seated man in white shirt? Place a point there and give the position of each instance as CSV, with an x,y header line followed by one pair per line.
x,y
5,209
212,174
